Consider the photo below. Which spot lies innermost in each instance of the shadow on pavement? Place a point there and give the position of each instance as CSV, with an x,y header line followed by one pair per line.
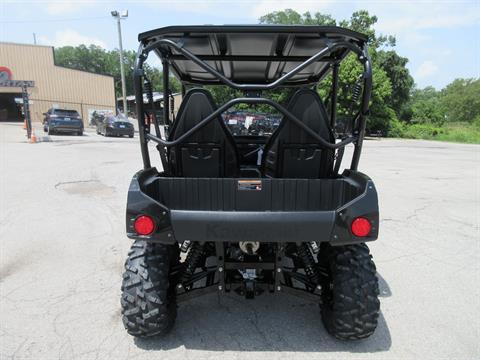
x,y
269,323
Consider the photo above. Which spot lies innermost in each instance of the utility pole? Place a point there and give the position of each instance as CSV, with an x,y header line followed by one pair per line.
x,y
34,39
119,16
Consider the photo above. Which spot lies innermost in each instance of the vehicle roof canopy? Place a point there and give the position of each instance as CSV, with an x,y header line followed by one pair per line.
x,y
251,54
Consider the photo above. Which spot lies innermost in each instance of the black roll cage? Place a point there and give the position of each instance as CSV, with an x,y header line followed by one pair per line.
x,y
161,46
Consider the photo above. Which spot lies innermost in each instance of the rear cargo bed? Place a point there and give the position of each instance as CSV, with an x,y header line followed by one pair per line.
x,y
266,209
252,195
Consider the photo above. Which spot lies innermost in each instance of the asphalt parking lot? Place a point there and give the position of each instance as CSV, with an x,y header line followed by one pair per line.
x,y
62,248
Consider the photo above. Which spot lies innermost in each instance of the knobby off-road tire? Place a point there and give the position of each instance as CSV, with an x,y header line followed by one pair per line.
x,y
350,306
148,299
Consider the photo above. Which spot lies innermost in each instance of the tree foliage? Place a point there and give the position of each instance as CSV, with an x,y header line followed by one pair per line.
x,y
461,100
400,79
363,22
425,107
387,66
291,17
457,102
394,97
97,60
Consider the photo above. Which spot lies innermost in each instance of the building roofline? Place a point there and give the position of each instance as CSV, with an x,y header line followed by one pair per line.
x,y
23,44
54,59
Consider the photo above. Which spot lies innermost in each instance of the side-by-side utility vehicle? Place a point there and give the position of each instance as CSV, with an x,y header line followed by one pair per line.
x,y
252,214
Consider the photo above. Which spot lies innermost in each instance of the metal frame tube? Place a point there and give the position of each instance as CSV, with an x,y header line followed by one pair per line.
x,y
357,137
138,86
333,109
322,53
166,91
244,58
367,90
272,103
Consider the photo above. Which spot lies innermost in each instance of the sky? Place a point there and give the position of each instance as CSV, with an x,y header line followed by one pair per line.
x,y
441,39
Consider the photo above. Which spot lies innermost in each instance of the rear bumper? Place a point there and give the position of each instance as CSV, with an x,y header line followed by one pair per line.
x,y
237,226
120,132
66,129
187,222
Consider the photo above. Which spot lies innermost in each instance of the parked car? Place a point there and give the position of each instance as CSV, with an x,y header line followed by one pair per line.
x,y
62,121
97,117
262,126
115,126
236,127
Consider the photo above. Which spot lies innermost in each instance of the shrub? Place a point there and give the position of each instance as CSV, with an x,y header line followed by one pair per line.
x,y
456,132
397,128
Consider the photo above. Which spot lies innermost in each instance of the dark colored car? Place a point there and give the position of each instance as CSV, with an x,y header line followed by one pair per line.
x,y
97,118
236,127
262,126
62,121
115,126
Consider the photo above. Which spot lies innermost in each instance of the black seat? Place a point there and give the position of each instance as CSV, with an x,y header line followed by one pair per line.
x,y
291,152
208,152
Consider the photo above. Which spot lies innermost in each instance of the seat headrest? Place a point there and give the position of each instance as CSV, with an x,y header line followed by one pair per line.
x,y
307,106
197,105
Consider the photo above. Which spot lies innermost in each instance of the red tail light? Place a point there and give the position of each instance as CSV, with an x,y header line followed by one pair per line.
x,y
361,227
144,225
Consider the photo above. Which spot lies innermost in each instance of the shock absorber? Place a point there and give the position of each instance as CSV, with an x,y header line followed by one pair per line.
x,y
147,88
192,261
172,107
357,89
309,262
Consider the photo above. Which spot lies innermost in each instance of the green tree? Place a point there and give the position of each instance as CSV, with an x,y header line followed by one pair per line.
x,y
399,76
391,79
426,107
100,61
291,17
460,100
92,58
427,111
363,22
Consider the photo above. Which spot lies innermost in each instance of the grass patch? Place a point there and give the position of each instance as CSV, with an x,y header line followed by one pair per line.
x,y
454,132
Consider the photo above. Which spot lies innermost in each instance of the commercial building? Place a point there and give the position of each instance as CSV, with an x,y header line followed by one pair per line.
x,y
53,86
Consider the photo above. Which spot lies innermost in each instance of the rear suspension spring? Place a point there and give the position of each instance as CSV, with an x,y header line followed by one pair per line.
x,y
192,261
309,262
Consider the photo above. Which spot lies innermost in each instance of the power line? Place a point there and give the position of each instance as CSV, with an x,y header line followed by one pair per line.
x,y
54,20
